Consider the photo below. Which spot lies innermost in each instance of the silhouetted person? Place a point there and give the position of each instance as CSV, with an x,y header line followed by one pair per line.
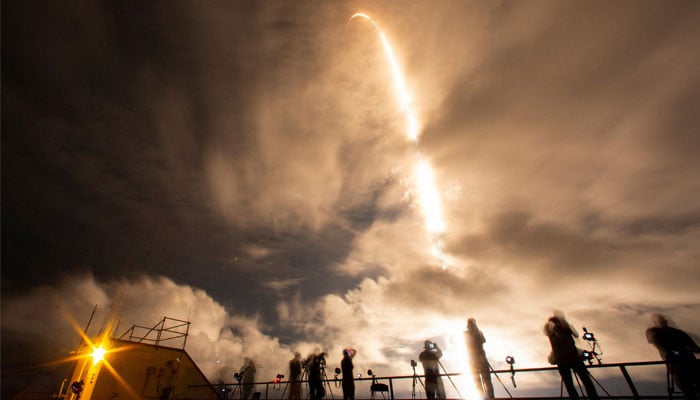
x,y
316,363
295,377
477,357
248,372
166,378
77,388
566,356
348,379
430,358
677,348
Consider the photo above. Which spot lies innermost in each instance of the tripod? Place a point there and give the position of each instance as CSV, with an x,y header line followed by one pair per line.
x,y
317,380
305,378
416,377
575,374
450,379
232,393
499,381
324,380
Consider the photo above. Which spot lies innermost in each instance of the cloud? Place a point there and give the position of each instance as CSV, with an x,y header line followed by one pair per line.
x,y
281,286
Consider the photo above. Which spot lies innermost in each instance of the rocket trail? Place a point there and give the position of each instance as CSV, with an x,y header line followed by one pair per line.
x,y
428,194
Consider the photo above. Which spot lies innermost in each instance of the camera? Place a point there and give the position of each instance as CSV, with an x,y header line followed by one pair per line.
x,y
77,387
413,363
432,346
510,360
238,376
588,335
588,355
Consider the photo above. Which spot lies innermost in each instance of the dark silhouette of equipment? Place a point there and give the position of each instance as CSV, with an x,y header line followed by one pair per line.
x,y
277,382
377,387
231,393
416,377
595,352
510,360
77,388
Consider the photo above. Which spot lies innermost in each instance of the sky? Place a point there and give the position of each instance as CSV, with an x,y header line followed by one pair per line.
x,y
245,166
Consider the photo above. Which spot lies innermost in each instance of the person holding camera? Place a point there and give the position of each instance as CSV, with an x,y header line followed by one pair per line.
x,y
430,358
566,356
348,380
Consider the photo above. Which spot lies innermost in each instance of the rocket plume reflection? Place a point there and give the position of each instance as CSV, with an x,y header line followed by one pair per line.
x,y
429,197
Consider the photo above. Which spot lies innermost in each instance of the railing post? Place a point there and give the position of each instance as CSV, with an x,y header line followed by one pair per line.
x,y
629,382
391,388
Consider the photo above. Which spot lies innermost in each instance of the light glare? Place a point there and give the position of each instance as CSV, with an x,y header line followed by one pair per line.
x,y
98,354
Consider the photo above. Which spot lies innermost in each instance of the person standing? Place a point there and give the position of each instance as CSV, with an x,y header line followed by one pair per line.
x,y
566,356
316,363
477,359
348,379
248,372
430,358
295,377
678,349
166,379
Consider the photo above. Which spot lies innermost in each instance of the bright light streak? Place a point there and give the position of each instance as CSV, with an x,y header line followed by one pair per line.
x,y
427,191
455,342
430,200
404,96
98,354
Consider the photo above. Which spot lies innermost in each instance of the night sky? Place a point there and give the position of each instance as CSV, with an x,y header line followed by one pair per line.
x,y
244,165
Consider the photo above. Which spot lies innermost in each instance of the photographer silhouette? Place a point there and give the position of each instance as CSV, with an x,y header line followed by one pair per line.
x,y
430,358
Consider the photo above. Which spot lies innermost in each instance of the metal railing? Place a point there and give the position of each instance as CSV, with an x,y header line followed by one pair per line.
x,y
409,386
167,330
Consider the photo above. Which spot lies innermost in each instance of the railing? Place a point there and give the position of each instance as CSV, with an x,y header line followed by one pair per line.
x,y
411,386
167,330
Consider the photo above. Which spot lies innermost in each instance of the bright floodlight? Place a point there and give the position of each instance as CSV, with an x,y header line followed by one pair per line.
x,y
98,354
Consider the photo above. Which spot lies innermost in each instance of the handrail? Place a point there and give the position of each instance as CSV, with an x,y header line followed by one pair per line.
x,y
179,329
227,391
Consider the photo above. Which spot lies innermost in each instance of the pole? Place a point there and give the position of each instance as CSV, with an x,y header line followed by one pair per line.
x,y
450,378
499,381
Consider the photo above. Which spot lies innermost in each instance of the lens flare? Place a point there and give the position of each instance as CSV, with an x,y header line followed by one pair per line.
x,y
98,354
429,197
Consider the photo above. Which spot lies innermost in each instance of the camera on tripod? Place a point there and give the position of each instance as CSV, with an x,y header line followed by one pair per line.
x,y
595,351
238,376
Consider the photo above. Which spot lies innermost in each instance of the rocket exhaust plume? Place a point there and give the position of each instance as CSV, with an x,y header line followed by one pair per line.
x,y
425,184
